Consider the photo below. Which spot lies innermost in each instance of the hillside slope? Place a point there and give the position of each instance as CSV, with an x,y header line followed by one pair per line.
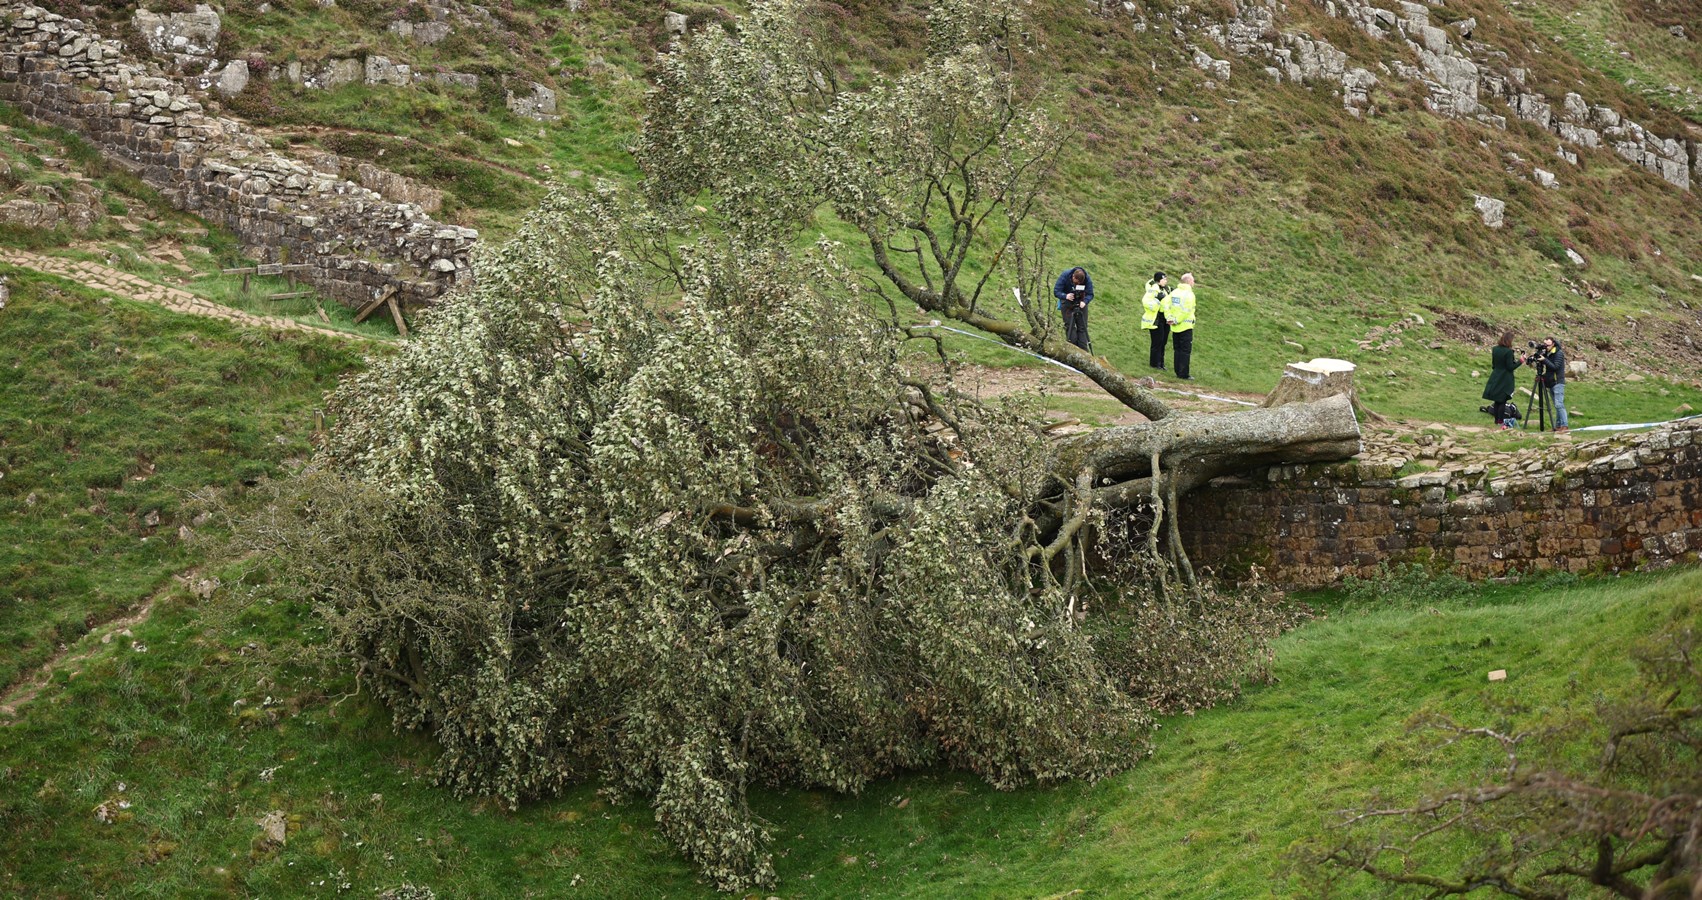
x,y
148,764
1317,165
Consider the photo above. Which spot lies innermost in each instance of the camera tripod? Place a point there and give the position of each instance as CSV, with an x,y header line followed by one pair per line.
x,y
1540,402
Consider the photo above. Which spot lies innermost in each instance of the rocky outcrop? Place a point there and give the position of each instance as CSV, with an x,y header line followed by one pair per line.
x,y
1293,57
380,70
229,81
185,43
358,243
1588,125
426,33
444,17
1493,211
48,207
334,72
532,100
188,39
1461,77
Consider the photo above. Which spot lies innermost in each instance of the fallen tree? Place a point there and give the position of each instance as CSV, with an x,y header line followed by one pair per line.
x,y
939,171
661,501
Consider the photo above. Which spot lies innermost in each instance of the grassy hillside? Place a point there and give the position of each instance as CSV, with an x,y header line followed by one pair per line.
x,y
144,768
114,415
1310,229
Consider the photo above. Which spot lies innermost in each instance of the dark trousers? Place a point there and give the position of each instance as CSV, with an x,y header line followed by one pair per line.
x,y
1075,326
1159,335
1184,351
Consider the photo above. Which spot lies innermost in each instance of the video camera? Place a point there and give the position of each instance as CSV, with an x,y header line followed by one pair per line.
x,y
1539,357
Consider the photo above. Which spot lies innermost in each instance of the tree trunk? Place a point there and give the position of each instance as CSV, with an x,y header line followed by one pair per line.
x,y
1193,448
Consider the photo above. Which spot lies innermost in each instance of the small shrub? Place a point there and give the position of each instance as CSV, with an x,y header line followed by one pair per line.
x,y
1606,799
257,103
1402,585
1549,246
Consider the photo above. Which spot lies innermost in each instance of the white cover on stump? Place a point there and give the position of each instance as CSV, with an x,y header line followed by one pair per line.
x,y
1315,380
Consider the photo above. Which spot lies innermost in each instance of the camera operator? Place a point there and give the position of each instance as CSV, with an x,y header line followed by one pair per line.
x,y
1549,359
1074,291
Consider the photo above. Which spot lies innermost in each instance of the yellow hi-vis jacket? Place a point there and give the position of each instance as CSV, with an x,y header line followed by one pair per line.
x,y
1179,308
1152,303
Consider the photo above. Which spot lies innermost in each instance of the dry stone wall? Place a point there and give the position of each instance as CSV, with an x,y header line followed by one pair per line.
x,y
1601,506
59,71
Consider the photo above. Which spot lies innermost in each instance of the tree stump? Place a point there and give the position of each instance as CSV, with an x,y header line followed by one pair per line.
x,y
1304,382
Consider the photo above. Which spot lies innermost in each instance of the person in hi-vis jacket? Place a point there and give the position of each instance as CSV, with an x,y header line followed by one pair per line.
x,y
1179,312
1153,320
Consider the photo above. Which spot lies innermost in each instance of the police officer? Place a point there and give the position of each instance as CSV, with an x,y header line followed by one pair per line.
x,y
1179,313
1152,318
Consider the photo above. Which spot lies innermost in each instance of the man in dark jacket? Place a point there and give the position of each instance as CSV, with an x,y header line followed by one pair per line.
x,y
1074,291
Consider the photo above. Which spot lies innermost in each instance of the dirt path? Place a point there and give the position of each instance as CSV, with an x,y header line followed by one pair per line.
x,y
86,646
132,287
984,382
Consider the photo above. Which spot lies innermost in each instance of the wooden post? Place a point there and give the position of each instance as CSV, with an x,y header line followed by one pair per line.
x,y
396,314
373,304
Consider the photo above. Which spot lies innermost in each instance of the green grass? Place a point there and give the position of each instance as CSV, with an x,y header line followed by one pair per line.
x,y
114,413
207,281
492,164
227,290
1645,58
226,716
1304,226
1229,790
204,249
49,164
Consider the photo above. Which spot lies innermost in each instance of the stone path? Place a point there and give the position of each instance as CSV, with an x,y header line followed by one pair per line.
x,y
132,287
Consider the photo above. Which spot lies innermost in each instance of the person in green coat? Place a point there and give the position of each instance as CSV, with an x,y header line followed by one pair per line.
x,y
1503,364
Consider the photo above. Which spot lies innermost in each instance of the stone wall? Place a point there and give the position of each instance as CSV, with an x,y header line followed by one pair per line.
x,y
1605,505
60,72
